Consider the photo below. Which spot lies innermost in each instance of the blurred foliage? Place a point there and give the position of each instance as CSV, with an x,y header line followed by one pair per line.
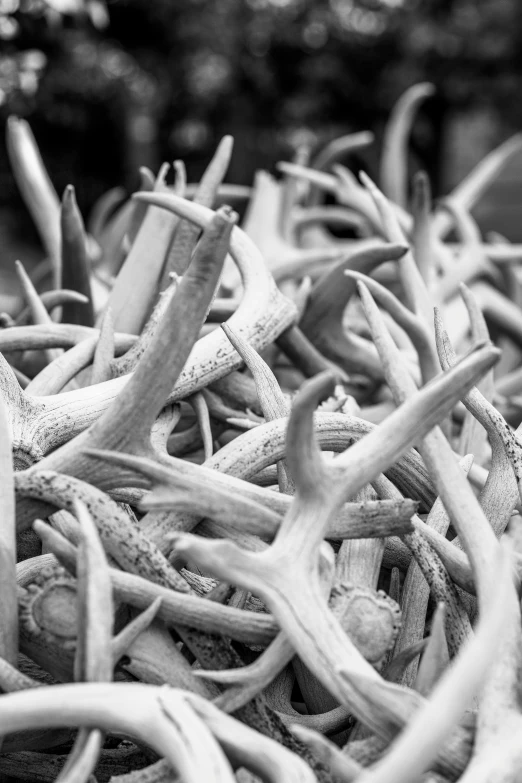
x,y
106,87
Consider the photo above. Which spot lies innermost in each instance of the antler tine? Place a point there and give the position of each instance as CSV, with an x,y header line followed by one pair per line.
x,y
322,320
36,187
184,240
131,303
59,372
394,161
414,327
75,260
250,680
303,454
39,313
426,249
469,191
271,398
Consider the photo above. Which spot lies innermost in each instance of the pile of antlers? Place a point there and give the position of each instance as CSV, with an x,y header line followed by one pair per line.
x,y
259,485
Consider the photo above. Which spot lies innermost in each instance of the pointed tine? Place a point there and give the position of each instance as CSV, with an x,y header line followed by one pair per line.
x,y
435,657
104,353
8,588
135,288
471,188
137,214
200,407
36,187
147,178
423,240
163,498
412,325
187,233
93,661
330,294
291,190
352,193
128,635
303,454
103,211
272,400
51,300
38,310
422,199
466,228
75,260
396,372
394,161
157,474
479,328
180,251
36,307
63,369
398,665
127,363
180,178
447,355
113,242
104,208
346,176
252,679
340,147
56,543
215,173
415,292
473,437
83,757
319,178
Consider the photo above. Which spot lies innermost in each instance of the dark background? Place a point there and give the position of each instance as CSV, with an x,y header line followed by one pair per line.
x,y
110,86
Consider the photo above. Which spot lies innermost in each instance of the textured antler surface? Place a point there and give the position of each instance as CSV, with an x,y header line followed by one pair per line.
x,y
259,501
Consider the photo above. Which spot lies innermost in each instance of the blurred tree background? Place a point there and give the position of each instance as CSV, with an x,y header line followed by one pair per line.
x,y
108,86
